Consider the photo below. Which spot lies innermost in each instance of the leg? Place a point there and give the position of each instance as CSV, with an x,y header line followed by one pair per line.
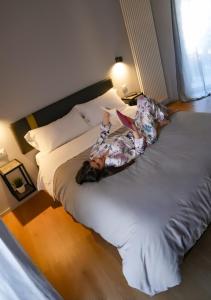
x,y
143,108
161,115
146,125
143,104
148,113
157,110
149,129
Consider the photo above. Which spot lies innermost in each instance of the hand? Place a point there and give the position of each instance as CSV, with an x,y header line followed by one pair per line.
x,y
136,133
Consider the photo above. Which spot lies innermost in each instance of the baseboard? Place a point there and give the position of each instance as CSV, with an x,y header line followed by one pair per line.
x,y
6,211
18,203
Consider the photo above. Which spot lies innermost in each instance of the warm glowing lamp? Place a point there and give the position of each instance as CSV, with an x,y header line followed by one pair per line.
x,y
119,69
119,75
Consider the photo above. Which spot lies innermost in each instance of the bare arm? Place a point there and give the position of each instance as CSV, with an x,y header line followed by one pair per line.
x,y
104,128
136,133
106,118
104,132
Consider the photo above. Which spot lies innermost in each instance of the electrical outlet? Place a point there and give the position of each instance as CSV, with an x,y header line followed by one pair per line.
x,y
3,153
3,157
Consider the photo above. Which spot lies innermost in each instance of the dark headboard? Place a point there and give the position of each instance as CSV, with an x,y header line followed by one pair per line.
x,y
56,110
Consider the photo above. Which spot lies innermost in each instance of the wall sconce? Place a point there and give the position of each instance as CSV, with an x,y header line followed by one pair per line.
x,y
118,59
119,73
119,69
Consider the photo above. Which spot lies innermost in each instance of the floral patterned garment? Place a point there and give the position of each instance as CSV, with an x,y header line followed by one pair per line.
x,y
121,149
148,112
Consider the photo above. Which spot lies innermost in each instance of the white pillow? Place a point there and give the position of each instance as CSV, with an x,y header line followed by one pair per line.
x,y
55,134
92,111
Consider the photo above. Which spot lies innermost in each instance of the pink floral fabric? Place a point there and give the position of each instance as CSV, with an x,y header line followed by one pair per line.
x,y
121,149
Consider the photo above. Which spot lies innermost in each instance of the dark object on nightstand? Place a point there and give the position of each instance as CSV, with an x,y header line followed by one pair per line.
x,y
131,99
15,166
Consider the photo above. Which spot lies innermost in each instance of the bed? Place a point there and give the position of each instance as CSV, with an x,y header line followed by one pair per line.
x,y
155,210
19,277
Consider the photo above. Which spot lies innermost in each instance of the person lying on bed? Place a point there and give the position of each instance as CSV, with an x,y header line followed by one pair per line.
x,y
110,155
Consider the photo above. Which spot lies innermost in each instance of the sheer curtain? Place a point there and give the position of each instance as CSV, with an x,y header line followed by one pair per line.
x,y
192,37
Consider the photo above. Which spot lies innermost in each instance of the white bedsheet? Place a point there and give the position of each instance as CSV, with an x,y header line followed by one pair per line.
x,y
49,162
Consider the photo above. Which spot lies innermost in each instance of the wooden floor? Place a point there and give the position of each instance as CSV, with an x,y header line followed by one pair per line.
x,y
82,266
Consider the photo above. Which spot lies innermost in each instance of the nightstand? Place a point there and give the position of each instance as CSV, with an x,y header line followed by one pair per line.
x,y
15,169
131,99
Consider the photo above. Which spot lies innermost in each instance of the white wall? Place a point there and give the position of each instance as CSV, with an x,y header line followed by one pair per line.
x,y
50,49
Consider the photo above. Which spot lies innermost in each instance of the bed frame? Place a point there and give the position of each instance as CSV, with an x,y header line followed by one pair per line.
x,y
55,111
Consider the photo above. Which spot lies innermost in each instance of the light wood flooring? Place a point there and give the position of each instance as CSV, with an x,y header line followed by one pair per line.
x,y
82,266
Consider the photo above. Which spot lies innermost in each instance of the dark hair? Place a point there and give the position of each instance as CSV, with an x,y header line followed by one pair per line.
x,y
89,174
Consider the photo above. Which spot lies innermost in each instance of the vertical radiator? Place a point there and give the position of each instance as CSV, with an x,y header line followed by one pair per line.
x,y
141,32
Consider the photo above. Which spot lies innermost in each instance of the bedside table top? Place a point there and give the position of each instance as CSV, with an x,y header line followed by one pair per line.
x,y
11,165
132,97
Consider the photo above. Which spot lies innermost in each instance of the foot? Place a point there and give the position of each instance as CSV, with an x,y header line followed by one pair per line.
x,y
164,122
